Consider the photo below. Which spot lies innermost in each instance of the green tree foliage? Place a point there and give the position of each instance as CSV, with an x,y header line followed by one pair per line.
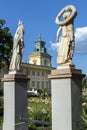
x,y
84,82
6,43
84,103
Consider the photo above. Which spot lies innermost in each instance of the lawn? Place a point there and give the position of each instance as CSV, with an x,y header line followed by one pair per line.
x,y
39,109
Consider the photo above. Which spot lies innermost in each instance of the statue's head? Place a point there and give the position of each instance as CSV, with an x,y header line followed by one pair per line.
x,y
66,15
20,23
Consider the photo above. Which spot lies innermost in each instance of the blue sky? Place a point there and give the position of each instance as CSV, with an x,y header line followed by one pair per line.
x,y
39,16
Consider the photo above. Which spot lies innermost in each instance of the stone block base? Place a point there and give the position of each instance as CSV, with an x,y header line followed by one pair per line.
x,y
66,99
15,102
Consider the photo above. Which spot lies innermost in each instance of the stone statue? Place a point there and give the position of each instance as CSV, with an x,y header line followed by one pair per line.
x,y
66,49
18,48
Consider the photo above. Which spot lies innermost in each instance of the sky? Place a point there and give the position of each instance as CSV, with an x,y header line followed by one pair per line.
x,y
39,16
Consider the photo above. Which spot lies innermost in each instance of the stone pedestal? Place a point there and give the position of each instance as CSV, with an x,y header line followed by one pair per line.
x,y
66,98
15,102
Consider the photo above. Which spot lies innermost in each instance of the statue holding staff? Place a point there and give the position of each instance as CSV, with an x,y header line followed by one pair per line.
x,y
18,48
66,49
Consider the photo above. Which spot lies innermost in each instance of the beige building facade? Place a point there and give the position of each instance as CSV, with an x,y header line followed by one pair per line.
x,y
39,66
38,75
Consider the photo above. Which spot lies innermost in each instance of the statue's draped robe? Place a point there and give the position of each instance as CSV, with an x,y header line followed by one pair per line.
x,y
66,48
18,48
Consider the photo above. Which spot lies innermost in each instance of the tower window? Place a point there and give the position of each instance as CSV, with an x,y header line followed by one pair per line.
x,y
37,49
45,62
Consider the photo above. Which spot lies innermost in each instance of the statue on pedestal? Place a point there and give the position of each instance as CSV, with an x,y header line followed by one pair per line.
x,y
18,48
66,49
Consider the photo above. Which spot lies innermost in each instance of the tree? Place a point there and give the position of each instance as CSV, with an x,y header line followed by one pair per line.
x,y
84,82
84,103
6,43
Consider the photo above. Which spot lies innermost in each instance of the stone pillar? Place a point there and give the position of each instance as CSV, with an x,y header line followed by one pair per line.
x,y
15,102
66,99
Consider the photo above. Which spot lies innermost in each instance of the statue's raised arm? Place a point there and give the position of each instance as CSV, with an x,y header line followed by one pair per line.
x,y
18,48
66,49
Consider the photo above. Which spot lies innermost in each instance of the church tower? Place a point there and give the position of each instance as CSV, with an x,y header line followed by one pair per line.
x,y
40,55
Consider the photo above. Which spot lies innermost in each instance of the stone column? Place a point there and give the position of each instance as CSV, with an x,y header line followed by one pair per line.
x,y
15,102
66,99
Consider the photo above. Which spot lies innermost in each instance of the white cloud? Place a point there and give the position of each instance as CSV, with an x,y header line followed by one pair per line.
x,y
80,41
54,45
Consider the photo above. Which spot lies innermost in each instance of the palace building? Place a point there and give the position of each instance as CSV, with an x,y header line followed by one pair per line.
x,y
40,55
39,66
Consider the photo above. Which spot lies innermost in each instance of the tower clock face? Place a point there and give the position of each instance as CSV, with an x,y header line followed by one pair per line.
x,y
34,61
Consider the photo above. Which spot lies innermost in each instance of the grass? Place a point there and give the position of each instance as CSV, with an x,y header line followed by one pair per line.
x,y
39,109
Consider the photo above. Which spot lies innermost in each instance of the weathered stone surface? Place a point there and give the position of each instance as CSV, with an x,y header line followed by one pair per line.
x,y
18,48
66,99
66,49
15,102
